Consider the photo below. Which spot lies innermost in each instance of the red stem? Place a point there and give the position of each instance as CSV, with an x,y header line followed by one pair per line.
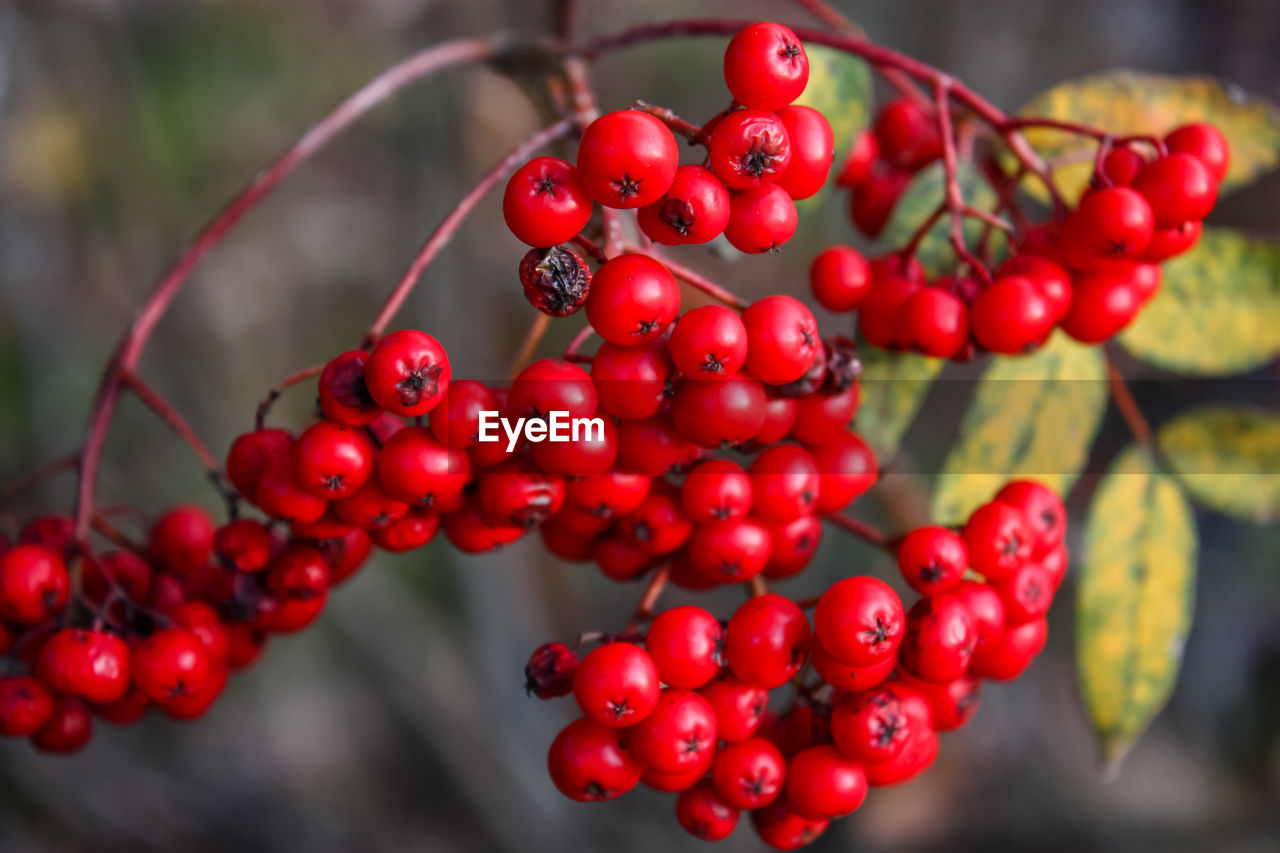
x,y
667,116
578,340
173,420
649,599
260,416
694,279
44,472
1127,405
132,343
538,328
954,197
862,530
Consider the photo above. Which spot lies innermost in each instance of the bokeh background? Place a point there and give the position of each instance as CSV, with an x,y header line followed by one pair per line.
x,y
398,721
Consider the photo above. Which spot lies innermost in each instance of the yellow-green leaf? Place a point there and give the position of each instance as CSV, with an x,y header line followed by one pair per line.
x,y
840,88
1228,457
1218,310
893,385
926,191
1034,417
1136,591
1129,102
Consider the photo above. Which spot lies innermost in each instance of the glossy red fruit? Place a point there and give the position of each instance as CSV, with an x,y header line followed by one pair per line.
x,y
371,508
1009,656
731,551
812,151
821,783
748,148
792,546
202,621
251,453
1010,315
1055,563
243,545
939,639
455,422
760,219
1120,165
986,608
518,494
782,829
685,645
1179,188
632,381
170,664
587,764
1053,282
937,322
549,672
25,705
709,342
555,280
932,559
1045,515
716,490
678,733
1204,142
951,705
873,202
91,664
823,416
718,413
545,203
576,449
342,392
416,469
659,524
621,560
53,532
882,318
607,495
847,468
653,446
785,484
779,418
782,339
849,677
765,66
870,727
407,373
1026,594
921,748
279,495
34,585
1170,242
840,278
1110,224
627,159
694,210
332,461
675,782
469,532
767,640
999,540
863,153
616,685
551,385
182,539
859,620
908,136
68,728
633,300
703,814
739,707
1103,304
749,774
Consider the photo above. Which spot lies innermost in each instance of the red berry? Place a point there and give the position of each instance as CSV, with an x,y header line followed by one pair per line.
x,y
782,339
675,782
609,494
251,453
551,385
859,620
1169,242
34,585
1010,655
709,341
704,815
518,494
716,490
718,413
1045,515
782,829
749,148
659,524
847,677
864,152
785,484
622,560
1103,304
824,417
729,551
469,532
616,685
873,202
632,381
1120,165
951,705
694,210
882,317
416,469
1011,315
1053,282
1055,563
939,639
573,450
1204,142
170,664
937,322
549,672
371,508
760,219
1179,187
1112,224
25,705
986,608
932,559
627,159
587,764
792,546
545,202
779,418
739,707
677,735
652,446
182,540
999,540
68,728
455,422
279,495
812,151
556,281
870,727
342,392
203,622
332,461
684,643
908,136
749,774
407,373
767,640
921,748
765,66
91,664
53,532
847,468
1027,594
821,784
840,278
633,299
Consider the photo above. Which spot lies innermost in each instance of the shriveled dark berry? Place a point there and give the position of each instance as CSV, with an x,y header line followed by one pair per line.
x,y
556,280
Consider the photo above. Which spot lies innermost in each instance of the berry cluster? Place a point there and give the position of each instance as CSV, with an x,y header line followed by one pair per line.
x,y
762,153
684,706
1089,272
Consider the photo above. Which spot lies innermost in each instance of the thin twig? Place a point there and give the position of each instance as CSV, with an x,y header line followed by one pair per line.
x,y
862,530
160,406
1127,405
537,329
264,407
649,599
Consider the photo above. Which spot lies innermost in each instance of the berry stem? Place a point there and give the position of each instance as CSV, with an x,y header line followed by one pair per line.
x,y
757,586
862,530
260,416
649,600
1127,405
592,249
688,130
134,340
693,278
38,476
160,406
537,329
954,195
448,226
571,351
113,535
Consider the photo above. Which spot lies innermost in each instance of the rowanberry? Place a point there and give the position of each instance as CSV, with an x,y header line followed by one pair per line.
x,y
873,201
685,644
882,317
986,608
633,299
1009,656
1046,516
68,728
1011,314
760,219
455,422
590,451
936,322
702,814
840,278
278,494
1055,563
676,782
731,551
407,373
822,784
908,136
632,382
93,665
749,148
792,546
332,461
588,764
545,203
1053,282
549,672
203,622
850,677
932,559
939,639
678,733
864,152
749,774
767,640
859,620
785,484
694,210
1026,594
552,385
812,151
870,727
779,418
25,705
556,281
716,490
739,707
182,539
921,748
782,339
1102,305
653,446
622,560
782,829
122,569
371,508
1179,188
952,704
251,453
627,159
609,494
342,392
518,494
765,66
1169,242
616,685
34,584
1204,142
170,664
709,341
659,524
718,413
1111,224
999,540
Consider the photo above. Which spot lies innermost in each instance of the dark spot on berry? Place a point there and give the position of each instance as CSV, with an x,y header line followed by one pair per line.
x,y
619,709
421,381
641,531
595,791
676,214
626,187
547,185
711,364
763,157
790,50
693,745
334,483
644,327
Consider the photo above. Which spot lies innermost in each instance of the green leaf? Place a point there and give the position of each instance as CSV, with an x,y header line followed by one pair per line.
x,y
1127,103
1228,457
1218,309
1032,416
892,387
1136,591
918,203
840,88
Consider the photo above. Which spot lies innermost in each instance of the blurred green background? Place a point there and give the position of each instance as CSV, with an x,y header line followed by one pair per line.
x,y
398,722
